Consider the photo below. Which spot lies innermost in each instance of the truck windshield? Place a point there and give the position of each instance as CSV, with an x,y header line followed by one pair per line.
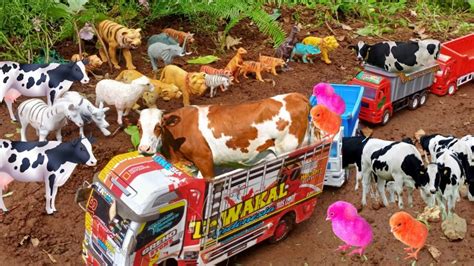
x,y
370,92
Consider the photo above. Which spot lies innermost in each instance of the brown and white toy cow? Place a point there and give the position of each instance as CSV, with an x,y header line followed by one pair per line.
x,y
225,134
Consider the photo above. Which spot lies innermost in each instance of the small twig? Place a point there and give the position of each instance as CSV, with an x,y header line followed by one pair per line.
x,y
103,46
329,27
117,130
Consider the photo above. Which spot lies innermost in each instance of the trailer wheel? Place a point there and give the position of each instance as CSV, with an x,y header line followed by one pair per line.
x,y
414,102
385,117
452,89
283,228
423,98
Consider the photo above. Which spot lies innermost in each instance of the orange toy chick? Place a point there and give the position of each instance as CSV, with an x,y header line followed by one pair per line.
x,y
325,119
409,231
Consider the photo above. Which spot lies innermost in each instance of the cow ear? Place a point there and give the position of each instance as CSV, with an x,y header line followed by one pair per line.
x,y
171,120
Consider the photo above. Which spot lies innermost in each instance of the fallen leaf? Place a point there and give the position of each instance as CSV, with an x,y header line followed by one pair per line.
x,y
341,38
203,60
342,68
18,130
346,27
24,239
7,194
441,102
35,242
435,253
454,261
413,13
9,135
50,256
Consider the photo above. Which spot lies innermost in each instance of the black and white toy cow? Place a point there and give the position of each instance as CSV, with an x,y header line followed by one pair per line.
x,y
398,56
446,175
399,162
51,162
37,80
463,148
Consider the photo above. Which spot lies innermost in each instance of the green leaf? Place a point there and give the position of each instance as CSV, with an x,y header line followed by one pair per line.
x,y
58,11
135,140
471,4
75,6
131,130
203,60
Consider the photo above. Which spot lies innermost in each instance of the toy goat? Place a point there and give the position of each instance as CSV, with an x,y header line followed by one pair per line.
x,y
284,50
188,82
37,80
45,118
166,52
163,38
236,63
50,162
89,112
326,45
213,81
122,95
305,51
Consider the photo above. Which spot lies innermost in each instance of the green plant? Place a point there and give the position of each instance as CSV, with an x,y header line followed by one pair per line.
x,y
134,133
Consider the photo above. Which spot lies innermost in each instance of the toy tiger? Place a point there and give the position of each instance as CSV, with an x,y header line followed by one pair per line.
x,y
252,66
326,44
215,71
116,36
179,35
271,63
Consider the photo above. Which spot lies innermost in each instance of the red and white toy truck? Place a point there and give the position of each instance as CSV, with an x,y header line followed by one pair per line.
x,y
387,92
144,211
456,61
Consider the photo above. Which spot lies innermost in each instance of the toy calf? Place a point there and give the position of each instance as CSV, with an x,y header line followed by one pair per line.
x,y
51,162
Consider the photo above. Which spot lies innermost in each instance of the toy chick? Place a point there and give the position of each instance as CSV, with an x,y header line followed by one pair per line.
x,y
409,231
325,120
326,96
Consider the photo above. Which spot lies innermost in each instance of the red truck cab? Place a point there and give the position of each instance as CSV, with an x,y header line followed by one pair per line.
x,y
376,106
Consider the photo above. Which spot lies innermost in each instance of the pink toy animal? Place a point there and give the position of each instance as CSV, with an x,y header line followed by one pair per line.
x,y
325,95
349,227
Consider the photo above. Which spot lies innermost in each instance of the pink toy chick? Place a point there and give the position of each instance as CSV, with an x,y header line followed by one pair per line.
x,y
349,226
325,95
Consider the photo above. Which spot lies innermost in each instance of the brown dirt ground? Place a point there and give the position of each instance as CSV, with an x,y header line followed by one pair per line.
x,y
311,242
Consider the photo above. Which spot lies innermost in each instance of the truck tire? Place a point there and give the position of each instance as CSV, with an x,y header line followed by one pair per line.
x,y
283,228
452,89
413,102
385,117
423,98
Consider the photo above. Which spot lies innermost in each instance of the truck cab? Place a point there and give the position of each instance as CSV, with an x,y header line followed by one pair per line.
x,y
445,78
376,106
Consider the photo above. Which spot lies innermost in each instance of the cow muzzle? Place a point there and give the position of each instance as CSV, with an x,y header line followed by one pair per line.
x,y
145,149
91,162
432,191
85,80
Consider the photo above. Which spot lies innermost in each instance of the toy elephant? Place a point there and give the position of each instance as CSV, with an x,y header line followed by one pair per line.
x,y
304,51
166,52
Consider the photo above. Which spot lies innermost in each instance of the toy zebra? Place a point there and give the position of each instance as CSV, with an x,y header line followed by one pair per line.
x,y
45,118
213,81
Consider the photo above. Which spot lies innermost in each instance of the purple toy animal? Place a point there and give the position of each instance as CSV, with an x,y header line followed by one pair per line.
x,y
284,50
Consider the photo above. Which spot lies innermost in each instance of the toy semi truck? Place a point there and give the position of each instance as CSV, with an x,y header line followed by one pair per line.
x,y
336,175
456,61
144,211
386,92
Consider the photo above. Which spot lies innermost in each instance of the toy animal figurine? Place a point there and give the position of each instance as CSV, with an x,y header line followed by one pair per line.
x,y
117,36
89,112
284,50
252,66
215,71
325,120
50,162
188,82
271,63
325,45
409,231
165,52
326,96
164,90
122,95
179,35
213,81
33,80
399,56
305,51
46,118
236,63
163,38
94,62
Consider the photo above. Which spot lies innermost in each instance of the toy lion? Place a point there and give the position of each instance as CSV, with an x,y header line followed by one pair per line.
x,y
116,36
326,45
188,82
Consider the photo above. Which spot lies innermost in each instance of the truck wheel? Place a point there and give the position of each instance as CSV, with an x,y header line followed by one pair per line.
x,y
452,89
423,98
283,228
385,117
414,102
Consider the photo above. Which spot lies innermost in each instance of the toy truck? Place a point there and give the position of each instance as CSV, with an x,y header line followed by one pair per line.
x,y
352,95
144,211
386,92
456,60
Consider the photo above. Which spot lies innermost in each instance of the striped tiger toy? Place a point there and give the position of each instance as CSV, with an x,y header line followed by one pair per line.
x,y
45,118
213,81
179,35
215,71
252,66
116,36
271,63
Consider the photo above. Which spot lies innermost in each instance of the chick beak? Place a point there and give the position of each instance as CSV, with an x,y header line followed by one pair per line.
x,y
391,230
327,219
